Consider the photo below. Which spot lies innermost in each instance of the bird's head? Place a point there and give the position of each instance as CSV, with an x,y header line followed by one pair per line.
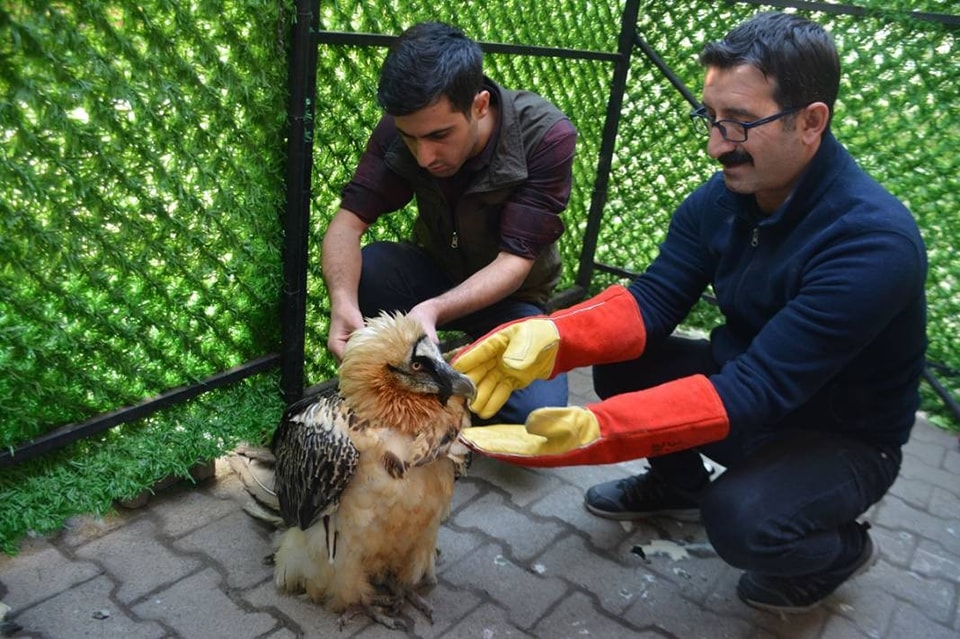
x,y
391,359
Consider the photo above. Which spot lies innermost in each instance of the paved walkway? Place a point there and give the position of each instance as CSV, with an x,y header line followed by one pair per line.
x,y
520,558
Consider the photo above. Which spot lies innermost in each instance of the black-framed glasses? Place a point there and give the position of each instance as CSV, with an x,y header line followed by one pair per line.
x,y
734,130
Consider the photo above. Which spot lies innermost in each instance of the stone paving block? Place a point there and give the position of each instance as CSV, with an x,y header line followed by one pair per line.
x,y
41,571
465,490
695,576
616,585
583,477
933,476
86,610
454,545
896,546
929,560
951,460
929,452
863,605
135,558
924,431
525,594
576,616
524,536
663,606
488,622
936,597
184,508
724,601
566,504
912,491
895,514
840,628
238,543
910,621
299,614
218,616
82,529
524,485
946,505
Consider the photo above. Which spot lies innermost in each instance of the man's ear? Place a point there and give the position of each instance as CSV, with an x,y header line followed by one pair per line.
x,y
481,104
813,120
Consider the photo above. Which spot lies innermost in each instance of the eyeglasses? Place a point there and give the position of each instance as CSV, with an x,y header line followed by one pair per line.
x,y
734,130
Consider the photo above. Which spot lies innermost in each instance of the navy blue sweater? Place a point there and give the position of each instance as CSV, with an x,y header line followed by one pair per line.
x,y
823,301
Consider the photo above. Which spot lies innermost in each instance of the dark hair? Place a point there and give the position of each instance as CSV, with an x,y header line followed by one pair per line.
x,y
798,54
430,60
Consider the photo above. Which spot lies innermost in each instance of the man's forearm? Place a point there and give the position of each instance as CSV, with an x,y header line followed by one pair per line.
x,y
486,287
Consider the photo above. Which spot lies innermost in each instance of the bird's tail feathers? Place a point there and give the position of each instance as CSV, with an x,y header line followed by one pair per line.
x,y
254,467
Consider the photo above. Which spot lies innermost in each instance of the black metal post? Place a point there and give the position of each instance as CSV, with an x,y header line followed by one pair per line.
x,y
666,71
628,26
64,435
302,84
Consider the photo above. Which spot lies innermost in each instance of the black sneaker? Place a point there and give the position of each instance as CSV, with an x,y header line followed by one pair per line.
x,y
803,593
644,495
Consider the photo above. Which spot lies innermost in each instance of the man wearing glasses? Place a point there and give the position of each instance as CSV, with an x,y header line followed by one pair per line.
x,y
808,389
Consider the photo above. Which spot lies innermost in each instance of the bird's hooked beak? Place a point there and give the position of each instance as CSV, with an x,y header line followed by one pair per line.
x,y
456,384
449,382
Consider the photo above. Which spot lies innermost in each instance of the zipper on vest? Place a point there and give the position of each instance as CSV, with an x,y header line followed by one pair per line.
x,y
755,240
454,240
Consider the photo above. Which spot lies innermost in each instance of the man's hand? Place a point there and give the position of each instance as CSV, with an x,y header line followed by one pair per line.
x,y
342,325
425,314
509,358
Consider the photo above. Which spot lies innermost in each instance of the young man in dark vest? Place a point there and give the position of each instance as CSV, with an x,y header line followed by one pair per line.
x,y
490,169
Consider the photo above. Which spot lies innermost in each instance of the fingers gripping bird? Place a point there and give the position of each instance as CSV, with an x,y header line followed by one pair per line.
x,y
365,477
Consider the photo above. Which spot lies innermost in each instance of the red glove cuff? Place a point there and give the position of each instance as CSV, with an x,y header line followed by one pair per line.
x,y
677,415
603,329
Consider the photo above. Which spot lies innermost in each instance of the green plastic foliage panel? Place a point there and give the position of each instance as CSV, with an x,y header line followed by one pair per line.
x,y
141,176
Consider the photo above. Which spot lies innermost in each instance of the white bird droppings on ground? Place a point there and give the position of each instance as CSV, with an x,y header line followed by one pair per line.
x,y
666,548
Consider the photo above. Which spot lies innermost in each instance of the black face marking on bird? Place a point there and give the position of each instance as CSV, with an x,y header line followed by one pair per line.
x,y
427,372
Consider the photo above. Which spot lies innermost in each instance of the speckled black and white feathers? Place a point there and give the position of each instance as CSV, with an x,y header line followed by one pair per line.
x,y
315,458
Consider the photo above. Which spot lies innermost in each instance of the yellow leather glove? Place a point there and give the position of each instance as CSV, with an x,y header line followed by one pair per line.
x,y
548,431
509,358
605,328
681,414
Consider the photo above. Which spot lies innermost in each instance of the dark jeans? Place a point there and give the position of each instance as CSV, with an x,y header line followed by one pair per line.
x,y
398,276
788,502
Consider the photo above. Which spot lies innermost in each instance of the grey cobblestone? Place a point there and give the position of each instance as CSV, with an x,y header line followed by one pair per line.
x,y
42,572
218,616
520,557
87,610
138,560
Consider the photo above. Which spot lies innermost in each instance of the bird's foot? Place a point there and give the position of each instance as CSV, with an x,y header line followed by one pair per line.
x,y
385,616
401,593
420,604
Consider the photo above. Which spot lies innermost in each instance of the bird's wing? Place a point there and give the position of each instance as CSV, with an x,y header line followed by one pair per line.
x,y
315,458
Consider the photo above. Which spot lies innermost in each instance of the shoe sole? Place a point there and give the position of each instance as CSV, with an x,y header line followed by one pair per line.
x,y
790,610
691,515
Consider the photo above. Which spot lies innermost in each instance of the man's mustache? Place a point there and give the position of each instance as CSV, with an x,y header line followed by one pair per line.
x,y
735,157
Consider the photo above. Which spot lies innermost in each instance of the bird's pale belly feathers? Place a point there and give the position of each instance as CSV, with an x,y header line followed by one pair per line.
x,y
386,532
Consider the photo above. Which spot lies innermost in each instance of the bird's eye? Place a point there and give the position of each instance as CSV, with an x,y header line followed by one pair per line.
x,y
416,366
